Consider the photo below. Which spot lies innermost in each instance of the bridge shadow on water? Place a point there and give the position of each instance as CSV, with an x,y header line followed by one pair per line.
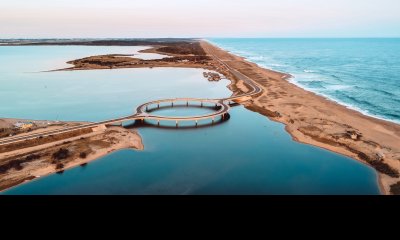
x,y
234,104
153,124
180,106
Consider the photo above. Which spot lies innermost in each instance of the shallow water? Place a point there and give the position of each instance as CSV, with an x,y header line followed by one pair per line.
x,y
363,74
87,95
148,56
248,154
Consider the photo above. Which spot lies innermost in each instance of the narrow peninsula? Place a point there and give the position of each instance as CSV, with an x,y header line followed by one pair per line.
x,y
309,118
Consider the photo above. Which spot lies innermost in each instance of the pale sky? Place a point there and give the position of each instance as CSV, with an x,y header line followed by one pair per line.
x,y
199,18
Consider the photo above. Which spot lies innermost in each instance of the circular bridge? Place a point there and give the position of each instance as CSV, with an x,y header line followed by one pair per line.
x,y
144,111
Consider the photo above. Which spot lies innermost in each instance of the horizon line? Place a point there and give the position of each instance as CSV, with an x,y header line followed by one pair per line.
x,y
110,38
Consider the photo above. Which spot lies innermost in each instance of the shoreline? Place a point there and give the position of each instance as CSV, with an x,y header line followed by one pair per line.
x,y
348,106
18,157
308,117
288,77
329,98
326,97
293,77
306,137
95,144
378,175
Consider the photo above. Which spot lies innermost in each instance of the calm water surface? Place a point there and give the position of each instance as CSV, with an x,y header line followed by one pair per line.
x,y
246,155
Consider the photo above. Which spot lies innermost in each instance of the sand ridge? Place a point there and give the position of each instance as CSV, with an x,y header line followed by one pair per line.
x,y
315,120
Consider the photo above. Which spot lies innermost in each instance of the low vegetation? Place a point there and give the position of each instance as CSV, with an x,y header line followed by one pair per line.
x,y
17,164
61,154
43,140
184,48
59,166
83,155
380,166
395,189
264,111
5,132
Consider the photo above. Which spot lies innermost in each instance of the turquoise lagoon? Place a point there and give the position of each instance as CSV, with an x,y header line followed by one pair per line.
x,y
248,154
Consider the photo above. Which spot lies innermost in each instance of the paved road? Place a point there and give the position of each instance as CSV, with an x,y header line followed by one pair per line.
x,y
256,89
63,130
142,114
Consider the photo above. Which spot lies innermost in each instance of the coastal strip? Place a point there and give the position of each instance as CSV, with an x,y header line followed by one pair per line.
x,y
309,118
318,121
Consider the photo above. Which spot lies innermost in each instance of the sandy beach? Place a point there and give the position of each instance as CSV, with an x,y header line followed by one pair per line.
x,y
315,120
309,118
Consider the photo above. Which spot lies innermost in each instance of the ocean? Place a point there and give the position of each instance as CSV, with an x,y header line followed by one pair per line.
x,y
362,74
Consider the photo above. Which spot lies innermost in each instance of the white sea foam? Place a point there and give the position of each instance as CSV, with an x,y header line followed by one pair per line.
x,y
341,76
338,101
338,87
257,58
276,65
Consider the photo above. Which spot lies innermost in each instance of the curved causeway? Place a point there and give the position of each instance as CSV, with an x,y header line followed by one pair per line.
x,y
143,114
142,110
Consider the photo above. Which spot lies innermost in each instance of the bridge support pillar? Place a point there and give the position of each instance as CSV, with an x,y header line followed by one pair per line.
x,y
158,105
187,104
177,124
196,123
172,104
201,104
158,122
